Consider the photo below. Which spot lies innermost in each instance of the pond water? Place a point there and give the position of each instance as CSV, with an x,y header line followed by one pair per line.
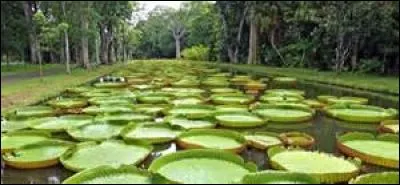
x,y
322,128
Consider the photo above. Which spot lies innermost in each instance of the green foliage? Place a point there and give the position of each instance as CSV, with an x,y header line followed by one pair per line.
x,y
198,53
369,65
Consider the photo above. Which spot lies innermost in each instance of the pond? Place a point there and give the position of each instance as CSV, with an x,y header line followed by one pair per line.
x,y
322,128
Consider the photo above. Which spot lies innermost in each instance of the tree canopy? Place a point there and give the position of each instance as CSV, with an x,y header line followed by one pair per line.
x,y
357,36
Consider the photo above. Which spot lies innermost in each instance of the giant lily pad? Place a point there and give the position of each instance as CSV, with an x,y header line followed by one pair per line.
x,y
60,124
223,90
68,103
190,124
285,92
112,152
389,126
96,131
284,79
215,83
324,167
297,139
155,98
360,113
106,174
187,101
110,109
278,177
35,111
231,109
263,140
285,112
382,150
152,133
186,83
124,117
110,84
232,99
37,155
377,178
274,98
17,139
201,166
150,109
110,101
313,103
192,111
213,139
14,125
348,100
240,120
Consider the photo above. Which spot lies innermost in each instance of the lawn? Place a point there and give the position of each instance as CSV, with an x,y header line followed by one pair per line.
x,y
380,84
14,68
30,91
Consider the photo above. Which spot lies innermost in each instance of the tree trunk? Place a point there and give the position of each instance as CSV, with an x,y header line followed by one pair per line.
x,y
272,40
77,60
66,43
84,42
354,56
124,54
52,58
32,36
97,51
39,57
252,58
177,48
111,53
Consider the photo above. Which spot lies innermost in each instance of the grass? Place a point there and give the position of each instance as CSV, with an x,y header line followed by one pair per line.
x,y
31,91
25,68
374,83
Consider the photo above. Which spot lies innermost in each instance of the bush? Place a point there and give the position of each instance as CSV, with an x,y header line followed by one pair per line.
x,y
199,52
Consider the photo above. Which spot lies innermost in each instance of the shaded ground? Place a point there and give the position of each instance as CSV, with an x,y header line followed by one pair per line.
x,y
11,77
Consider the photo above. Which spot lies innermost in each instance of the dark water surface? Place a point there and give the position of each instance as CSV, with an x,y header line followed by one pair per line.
x,y
322,128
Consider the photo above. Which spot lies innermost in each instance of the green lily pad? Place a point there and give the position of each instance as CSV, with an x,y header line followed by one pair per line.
x,y
151,133
68,103
187,101
60,124
324,167
377,178
212,139
34,111
17,139
108,175
231,100
37,155
278,177
382,150
240,120
389,126
88,155
192,111
124,117
190,124
110,109
96,131
220,109
263,140
285,92
201,166
285,112
360,113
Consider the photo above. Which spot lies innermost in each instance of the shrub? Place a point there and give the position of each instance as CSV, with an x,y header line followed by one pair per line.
x,y
199,52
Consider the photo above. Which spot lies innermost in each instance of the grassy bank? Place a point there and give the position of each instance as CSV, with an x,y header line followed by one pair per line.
x,y
21,68
385,85
30,91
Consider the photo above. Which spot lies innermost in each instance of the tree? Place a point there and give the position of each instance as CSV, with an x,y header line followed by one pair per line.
x,y
232,15
29,10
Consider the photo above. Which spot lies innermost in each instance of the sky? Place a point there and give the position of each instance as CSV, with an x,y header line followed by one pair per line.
x,y
149,5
